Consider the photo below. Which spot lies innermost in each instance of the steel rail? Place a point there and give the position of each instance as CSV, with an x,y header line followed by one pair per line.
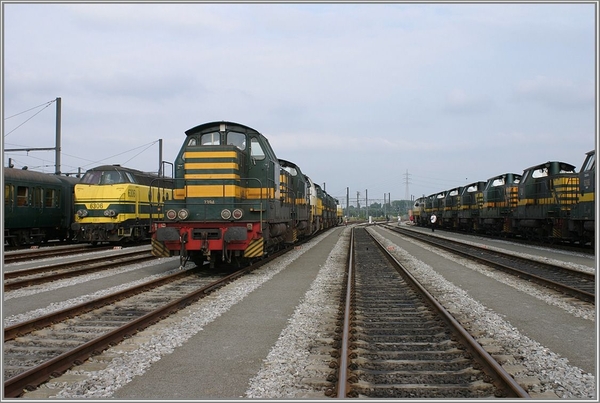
x,y
342,382
494,369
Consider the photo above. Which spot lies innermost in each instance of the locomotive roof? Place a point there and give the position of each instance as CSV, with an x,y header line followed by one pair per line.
x,y
117,167
286,163
209,125
565,166
505,174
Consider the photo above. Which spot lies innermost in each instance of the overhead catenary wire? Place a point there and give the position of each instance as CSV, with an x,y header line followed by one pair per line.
x,y
45,105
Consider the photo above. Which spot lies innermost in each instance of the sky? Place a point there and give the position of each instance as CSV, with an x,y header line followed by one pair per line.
x,y
394,100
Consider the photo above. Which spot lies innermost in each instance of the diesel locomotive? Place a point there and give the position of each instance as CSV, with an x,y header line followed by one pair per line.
x,y
115,204
38,207
234,201
548,202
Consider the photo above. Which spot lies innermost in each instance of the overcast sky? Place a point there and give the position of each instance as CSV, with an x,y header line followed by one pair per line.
x,y
365,97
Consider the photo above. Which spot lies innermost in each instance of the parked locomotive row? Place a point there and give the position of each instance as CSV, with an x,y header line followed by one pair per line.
x,y
548,202
231,200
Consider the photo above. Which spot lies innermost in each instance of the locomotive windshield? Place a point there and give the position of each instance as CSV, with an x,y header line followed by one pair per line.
x,y
210,139
291,170
107,177
256,150
590,163
214,139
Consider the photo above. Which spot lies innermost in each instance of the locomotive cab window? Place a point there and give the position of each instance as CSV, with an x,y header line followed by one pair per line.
x,y
92,177
236,139
291,170
590,163
256,150
540,173
498,182
112,177
130,177
211,139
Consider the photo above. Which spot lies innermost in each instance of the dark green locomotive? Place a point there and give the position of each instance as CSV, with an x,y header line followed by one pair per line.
x,y
583,214
234,201
547,192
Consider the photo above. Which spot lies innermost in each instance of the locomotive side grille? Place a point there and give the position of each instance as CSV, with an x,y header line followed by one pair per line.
x,y
566,191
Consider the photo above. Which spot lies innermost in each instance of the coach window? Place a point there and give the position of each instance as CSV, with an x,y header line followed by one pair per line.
x,y
256,150
8,195
210,139
22,196
49,198
38,194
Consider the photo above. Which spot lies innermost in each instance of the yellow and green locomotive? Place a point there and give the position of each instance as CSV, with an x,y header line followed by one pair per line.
x,y
116,204
234,201
582,217
547,192
500,198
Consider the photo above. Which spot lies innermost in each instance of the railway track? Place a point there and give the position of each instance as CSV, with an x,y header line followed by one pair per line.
x,y
16,279
572,282
42,253
32,357
42,348
398,342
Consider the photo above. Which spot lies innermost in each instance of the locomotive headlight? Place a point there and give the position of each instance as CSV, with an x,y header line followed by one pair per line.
x,y
171,214
183,214
237,213
110,213
225,214
82,213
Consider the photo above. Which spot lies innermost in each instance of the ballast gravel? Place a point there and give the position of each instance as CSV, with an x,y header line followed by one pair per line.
x,y
290,363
